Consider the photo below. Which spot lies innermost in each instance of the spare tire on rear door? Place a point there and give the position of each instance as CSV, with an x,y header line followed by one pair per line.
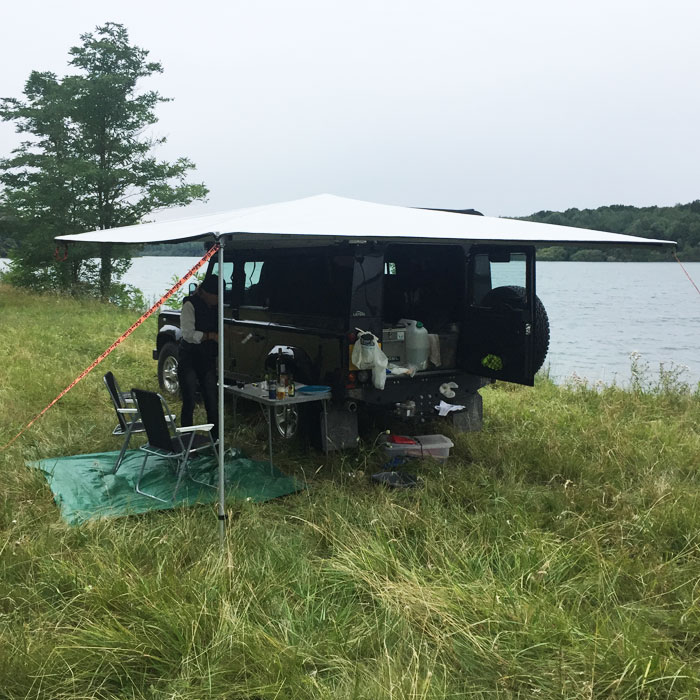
x,y
515,296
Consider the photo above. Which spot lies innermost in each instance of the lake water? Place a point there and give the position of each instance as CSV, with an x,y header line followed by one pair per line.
x,y
599,313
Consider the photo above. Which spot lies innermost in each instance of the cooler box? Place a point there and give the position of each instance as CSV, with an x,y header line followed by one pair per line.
x,y
435,446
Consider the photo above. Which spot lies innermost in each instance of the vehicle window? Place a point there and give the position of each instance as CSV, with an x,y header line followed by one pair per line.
x,y
228,273
500,270
508,273
213,271
254,287
300,283
252,273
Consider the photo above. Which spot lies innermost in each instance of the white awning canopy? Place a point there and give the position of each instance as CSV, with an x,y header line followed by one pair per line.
x,y
326,218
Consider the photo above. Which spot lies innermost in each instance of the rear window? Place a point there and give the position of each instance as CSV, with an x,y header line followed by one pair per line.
x,y
497,270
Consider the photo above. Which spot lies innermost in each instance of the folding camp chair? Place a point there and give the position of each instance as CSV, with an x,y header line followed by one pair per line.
x,y
166,440
125,409
127,415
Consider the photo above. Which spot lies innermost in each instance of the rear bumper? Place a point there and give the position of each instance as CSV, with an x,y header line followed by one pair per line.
x,y
423,389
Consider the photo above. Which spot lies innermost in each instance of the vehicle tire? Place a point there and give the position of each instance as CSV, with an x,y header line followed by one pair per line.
x,y
167,369
296,424
286,420
515,296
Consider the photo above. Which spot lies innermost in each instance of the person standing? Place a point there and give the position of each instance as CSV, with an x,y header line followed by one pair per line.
x,y
198,352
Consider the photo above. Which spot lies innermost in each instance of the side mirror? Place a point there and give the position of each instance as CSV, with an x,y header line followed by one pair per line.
x,y
192,287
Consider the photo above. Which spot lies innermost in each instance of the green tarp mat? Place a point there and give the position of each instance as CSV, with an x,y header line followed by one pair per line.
x,y
84,489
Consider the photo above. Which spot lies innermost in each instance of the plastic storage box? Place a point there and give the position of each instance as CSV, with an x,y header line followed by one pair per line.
x,y
435,446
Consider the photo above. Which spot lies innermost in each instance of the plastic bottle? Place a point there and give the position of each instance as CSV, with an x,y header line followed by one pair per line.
x,y
417,344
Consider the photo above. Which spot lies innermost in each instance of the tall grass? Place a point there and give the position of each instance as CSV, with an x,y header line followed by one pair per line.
x,y
554,555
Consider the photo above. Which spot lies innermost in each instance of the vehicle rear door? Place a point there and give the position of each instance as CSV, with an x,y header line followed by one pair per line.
x,y
497,334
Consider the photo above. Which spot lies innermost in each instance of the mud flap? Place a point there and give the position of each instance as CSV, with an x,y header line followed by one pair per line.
x,y
471,419
342,429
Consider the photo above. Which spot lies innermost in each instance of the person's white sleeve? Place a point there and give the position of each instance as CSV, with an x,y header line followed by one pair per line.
x,y
187,325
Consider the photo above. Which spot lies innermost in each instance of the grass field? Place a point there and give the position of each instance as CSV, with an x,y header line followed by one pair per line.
x,y
556,554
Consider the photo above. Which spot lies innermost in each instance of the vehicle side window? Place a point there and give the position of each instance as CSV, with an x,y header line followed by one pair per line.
x,y
312,285
255,291
213,271
228,282
228,272
300,283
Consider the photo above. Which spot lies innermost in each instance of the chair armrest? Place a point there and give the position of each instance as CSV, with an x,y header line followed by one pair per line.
x,y
205,427
130,411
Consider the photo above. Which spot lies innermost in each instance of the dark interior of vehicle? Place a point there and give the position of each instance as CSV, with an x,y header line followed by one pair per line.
x,y
424,283
298,283
421,282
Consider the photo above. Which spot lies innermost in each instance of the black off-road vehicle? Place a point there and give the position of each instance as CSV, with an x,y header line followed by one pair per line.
x,y
478,301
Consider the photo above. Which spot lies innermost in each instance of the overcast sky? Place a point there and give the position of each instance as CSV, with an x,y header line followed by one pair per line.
x,y
506,106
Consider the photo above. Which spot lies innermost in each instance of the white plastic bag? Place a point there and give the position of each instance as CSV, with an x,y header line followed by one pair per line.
x,y
366,354
443,408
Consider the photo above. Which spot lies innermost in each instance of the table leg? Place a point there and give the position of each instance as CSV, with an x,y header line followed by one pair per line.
x,y
270,418
325,426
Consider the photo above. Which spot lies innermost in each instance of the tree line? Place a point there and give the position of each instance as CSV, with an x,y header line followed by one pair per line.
x,y
679,223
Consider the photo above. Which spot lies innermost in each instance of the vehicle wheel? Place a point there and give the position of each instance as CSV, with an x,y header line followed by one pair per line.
x,y
514,295
296,424
286,421
167,369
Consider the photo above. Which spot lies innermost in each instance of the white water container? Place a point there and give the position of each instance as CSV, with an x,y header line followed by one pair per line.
x,y
417,343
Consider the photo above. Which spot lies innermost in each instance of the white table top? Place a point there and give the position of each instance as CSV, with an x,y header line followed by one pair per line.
x,y
254,392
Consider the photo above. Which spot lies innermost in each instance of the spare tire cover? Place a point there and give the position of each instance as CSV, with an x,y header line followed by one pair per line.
x,y
513,295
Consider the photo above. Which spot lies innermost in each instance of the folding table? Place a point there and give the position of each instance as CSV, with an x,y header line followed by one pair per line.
x,y
254,392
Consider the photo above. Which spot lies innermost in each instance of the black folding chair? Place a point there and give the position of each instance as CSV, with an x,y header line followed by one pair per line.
x,y
127,415
166,440
128,421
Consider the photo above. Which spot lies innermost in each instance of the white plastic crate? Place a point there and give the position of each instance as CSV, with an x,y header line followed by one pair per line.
x,y
435,446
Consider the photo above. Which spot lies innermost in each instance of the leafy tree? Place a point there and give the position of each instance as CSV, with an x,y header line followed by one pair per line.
x,y
87,163
39,197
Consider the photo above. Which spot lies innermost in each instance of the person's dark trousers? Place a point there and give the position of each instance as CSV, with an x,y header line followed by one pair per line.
x,y
196,371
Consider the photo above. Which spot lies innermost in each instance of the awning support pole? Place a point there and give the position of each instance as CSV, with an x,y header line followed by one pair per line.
x,y
222,505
